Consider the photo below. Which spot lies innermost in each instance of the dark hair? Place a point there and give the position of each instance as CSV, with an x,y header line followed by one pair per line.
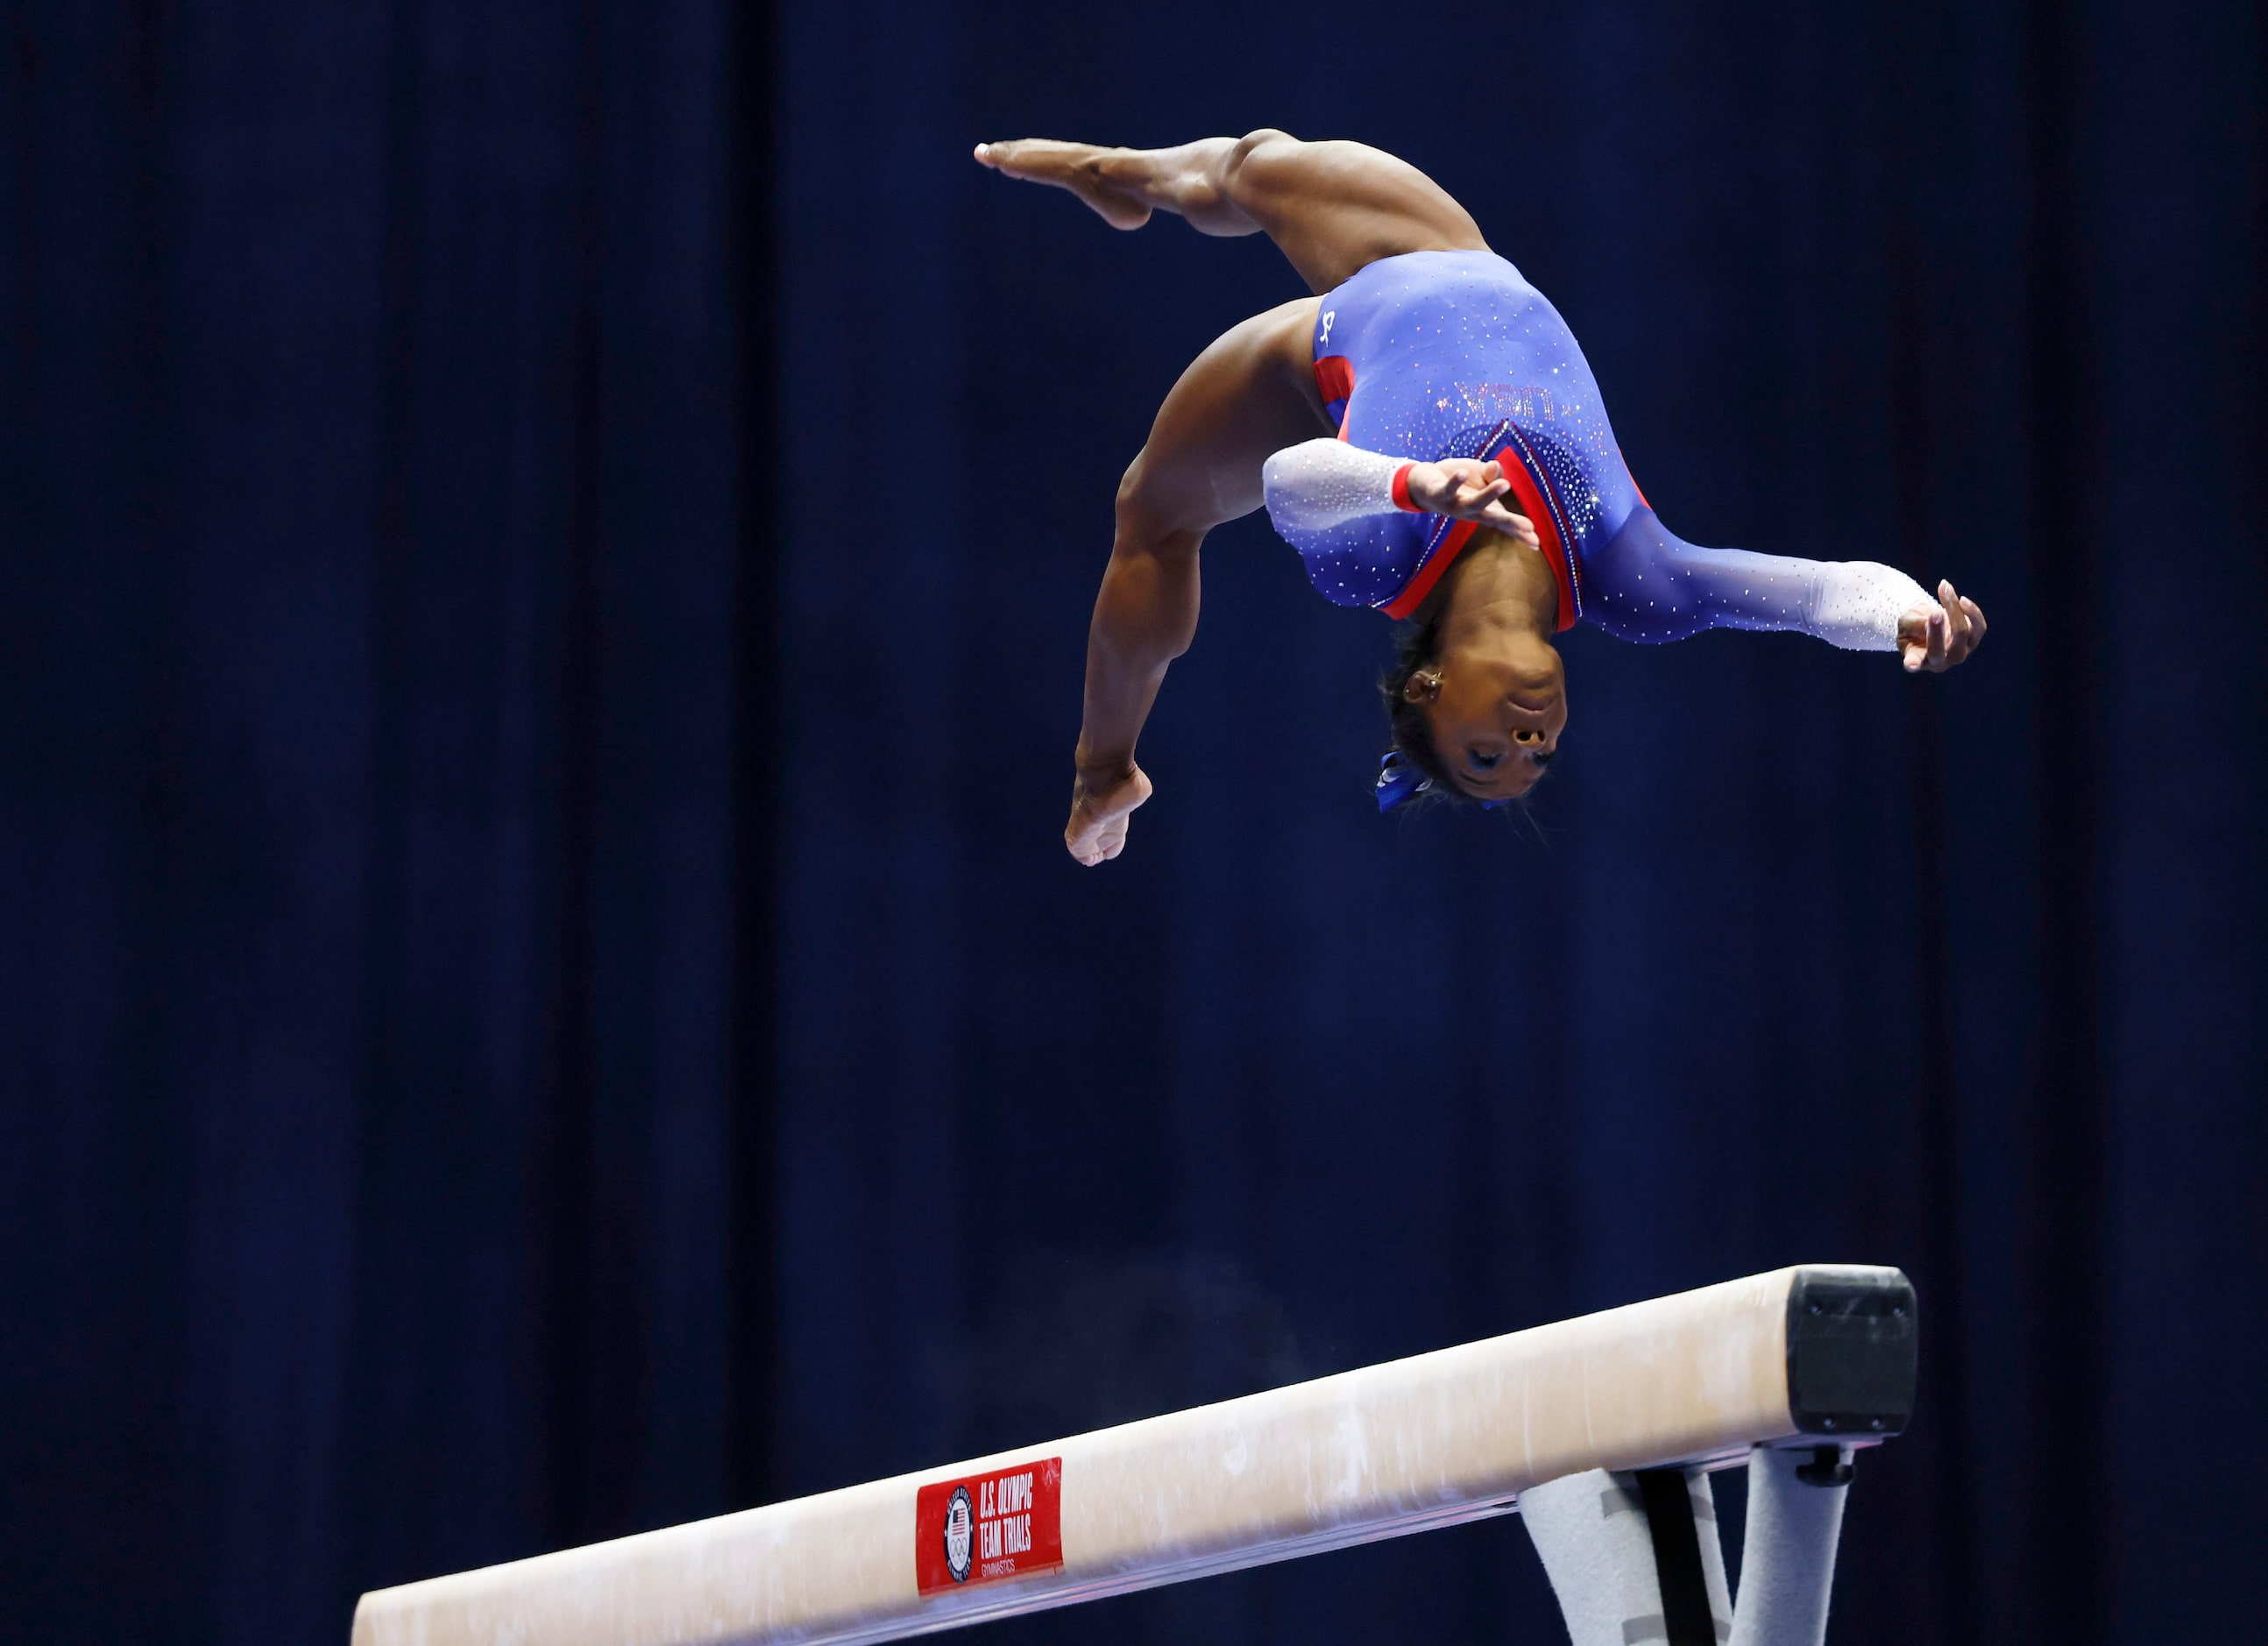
x,y
1417,645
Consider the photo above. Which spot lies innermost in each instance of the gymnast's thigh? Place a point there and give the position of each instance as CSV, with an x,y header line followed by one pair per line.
x,y
1249,395
1334,207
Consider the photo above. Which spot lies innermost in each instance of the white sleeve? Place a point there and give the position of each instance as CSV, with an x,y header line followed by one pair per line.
x,y
1324,483
1648,584
1859,604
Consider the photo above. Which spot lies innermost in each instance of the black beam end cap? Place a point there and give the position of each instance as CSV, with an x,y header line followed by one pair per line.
x,y
1852,1352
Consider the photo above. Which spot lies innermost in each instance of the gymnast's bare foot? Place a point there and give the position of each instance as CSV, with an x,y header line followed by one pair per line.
x,y
1073,165
1099,810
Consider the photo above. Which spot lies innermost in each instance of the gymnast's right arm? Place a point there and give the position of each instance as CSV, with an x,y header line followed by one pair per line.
x,y
1145,617
1250,392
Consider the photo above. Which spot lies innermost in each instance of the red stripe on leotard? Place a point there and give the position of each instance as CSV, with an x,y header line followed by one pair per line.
x,y
1335,378
1414,591
1531,503
1555,552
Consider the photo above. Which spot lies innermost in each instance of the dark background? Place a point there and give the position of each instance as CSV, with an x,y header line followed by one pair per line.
x,y
543,562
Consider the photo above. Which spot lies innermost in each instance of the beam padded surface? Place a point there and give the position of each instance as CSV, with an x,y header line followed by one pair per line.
x,y
1374,1453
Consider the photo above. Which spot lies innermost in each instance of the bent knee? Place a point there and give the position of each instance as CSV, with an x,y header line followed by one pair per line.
x,y
1259,150
1252,142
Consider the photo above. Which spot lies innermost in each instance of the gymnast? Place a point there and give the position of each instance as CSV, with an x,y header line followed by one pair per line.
x,y
1389,425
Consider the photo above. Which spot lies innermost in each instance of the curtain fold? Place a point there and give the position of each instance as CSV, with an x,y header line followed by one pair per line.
x,y
368,414
544,560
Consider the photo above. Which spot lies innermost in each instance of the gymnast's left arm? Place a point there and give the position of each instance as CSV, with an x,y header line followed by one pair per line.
x,y
1855,597
1649,585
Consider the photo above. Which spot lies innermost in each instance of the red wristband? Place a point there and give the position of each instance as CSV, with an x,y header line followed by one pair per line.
x,y
1401,489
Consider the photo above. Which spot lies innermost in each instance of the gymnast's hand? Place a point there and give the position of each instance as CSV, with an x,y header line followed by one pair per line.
x,y
1465,490
1100,807
1935,638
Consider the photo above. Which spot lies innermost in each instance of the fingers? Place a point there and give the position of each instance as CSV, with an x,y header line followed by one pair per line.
x,y
1460,479
1941,635
1513,524
1478,477
1961,633
1938,635
1964,622
1915,634
1913,637
1479,497
1465,490
1464,479
1494,513
1475,502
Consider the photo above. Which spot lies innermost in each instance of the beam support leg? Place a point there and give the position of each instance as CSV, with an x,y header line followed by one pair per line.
x,y
1787,1554
1633,1558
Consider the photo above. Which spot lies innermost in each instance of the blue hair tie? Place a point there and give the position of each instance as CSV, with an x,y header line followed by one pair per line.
x,y
1398,780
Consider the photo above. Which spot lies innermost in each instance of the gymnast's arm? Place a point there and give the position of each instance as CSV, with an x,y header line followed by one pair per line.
x,y
1652,585
1249,394
1145,615
1321,483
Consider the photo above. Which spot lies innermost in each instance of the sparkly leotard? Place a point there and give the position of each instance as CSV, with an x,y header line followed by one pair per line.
x,y
1454,354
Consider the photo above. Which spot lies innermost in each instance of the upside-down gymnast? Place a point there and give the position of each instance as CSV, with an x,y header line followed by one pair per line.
x,y
1389,423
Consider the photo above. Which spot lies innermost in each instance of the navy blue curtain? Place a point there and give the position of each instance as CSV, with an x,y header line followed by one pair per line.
x,y
539,993
1798,959
368,549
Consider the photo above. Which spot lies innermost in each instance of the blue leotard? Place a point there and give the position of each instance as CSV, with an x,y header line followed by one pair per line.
x,y
1442,354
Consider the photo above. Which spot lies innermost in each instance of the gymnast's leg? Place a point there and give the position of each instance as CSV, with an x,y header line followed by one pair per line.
x,y
1330,207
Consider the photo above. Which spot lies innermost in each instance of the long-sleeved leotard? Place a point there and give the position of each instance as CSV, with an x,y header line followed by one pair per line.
x,y
1453,354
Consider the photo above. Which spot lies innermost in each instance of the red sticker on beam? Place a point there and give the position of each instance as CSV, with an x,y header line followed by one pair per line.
x,y
989,1527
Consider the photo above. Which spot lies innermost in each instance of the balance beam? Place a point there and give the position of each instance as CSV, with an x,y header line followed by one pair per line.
x,y
1816,1356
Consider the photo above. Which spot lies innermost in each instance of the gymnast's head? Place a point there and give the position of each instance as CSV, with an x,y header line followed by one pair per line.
x,y
1479,697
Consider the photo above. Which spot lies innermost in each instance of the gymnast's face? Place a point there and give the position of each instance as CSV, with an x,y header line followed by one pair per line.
x,y
1496,713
